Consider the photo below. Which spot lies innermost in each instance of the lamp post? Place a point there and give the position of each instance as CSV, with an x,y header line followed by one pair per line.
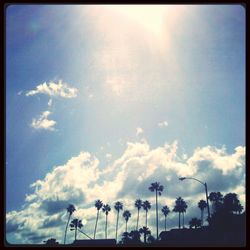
x,y
205,185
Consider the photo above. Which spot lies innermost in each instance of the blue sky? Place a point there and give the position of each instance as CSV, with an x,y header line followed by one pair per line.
x,y
117,79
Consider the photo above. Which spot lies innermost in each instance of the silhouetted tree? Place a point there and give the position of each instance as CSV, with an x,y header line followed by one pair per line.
x,y
165,210
145,231
138,205
178,208
98,205
70,210
202,205
184,207
151,239
231,202
125,238
126,215
135,237
75,224
118,206
157,188
106,208
194,222
239,208
146,206
216,198
51,242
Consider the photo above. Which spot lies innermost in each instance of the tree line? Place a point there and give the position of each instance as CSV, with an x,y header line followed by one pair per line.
x,y
221,205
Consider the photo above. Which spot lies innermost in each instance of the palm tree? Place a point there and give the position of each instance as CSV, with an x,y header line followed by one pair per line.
x,y
75,224
70,210
138,205
106,208
202,205
145,231
146,206
118,206
165,210
98,205
194,222
184,207
216,199
157,188
178,208
126,215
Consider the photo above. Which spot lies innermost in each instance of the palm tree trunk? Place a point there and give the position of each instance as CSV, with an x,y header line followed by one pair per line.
x,y
106,226
183,220
117,225
202,217
179,220
156,214
165,223
66,229
96,223
75,232
126,226
137,220
146,218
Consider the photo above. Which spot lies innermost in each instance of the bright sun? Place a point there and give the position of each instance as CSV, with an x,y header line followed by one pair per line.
x,y
150,17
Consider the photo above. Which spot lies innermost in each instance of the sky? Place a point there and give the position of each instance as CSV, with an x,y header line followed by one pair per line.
x,y
103,100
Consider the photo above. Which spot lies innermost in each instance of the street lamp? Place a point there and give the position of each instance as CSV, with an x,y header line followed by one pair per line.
x,y
205,185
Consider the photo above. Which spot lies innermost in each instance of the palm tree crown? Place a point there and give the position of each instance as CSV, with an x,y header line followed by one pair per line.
x,y
146,205
106,209
126,215
75,224
98,204
165,210
71,209
118,206
156,187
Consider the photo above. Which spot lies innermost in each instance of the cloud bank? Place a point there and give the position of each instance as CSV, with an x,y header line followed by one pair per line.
x,y
80,181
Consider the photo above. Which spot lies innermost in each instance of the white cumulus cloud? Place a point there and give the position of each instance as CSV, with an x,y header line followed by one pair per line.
x,y
43,122
54,89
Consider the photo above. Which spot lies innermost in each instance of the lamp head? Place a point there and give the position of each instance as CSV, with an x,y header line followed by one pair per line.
x,y
182,178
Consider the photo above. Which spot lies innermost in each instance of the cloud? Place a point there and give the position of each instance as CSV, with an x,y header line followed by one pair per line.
x,y
163,124
139,131
43,123
54,89
81,181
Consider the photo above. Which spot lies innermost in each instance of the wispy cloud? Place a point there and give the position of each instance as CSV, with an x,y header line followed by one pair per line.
x,y
163,124
54,89
43,123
